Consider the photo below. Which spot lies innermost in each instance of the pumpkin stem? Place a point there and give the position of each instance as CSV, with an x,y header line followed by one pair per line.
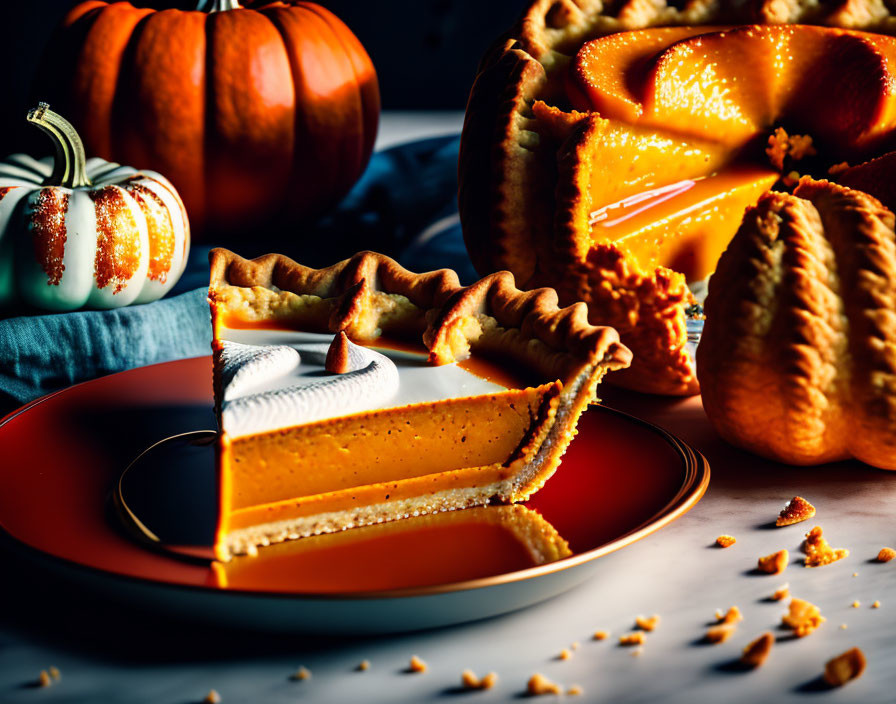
x,y
217,5
69,167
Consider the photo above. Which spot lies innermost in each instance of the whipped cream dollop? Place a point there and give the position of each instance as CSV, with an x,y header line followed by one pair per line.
x,y
266,387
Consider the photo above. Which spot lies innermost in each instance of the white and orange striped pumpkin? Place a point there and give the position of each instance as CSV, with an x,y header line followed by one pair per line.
x,y
78,233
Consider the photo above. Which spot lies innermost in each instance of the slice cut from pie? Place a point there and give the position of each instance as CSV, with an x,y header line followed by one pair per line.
x,y
363,393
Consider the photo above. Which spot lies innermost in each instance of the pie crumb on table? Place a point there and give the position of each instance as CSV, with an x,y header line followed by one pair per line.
x,y
470,681
781,592
416,664
539,684
212,697
303,673
634,638
886,554
601,635
819,552
803,617
647,624
726,541
845,667
795,511
757,651
774,563
719,633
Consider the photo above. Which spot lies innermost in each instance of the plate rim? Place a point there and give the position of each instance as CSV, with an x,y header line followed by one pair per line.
x,y
692,489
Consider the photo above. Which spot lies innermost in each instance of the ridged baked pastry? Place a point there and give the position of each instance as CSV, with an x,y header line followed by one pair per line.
x,y
362,392
798,357
610,149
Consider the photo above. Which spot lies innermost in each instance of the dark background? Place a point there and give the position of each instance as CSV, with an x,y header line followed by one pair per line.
x,y
425,51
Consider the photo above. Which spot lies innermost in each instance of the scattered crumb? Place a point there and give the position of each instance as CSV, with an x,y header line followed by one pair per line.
x,y
726,541
774,563
845,667
757,651
363,665
601,635
856,604
803,617
303,673
565,654
416,664
838,168
43,679
574,645
575,690
733,615
470,681
875,605
539,684
54,673
781,592
855,574
647,624
634,638
818,552
720,633
886,554
212,697
843,626
782,145
794,511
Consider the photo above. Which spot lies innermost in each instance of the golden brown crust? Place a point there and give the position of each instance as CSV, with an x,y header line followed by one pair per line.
x,y
803,302
513,168
490,314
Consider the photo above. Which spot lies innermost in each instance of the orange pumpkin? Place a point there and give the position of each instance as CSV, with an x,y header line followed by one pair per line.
x,y
248,111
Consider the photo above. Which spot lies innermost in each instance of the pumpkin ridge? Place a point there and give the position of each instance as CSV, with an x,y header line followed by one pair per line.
x,y
861,232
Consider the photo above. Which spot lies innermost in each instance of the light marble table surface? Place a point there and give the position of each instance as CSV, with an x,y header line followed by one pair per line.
x,y
109,652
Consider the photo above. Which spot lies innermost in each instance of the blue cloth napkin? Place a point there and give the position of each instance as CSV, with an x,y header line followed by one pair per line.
x,y
404,205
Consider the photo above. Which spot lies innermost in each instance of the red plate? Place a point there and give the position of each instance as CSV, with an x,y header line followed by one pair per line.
x,y
620,480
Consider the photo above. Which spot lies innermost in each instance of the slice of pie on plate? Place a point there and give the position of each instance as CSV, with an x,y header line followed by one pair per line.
x,y
362,392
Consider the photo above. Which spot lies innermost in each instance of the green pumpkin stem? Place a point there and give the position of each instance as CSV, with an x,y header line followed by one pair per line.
x,y
217,5
69,167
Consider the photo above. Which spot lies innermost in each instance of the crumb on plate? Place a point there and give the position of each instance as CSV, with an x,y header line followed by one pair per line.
x,y
757,651
43,679
575,690
795,511
539,684
363,665
774,563
212,697
601,635
856,604
416,664
803,617
726,541
54,673
876,604
819,552
845,667
565,654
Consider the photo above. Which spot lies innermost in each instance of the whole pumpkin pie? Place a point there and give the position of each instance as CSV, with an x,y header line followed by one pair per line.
x,y
610,150
363,393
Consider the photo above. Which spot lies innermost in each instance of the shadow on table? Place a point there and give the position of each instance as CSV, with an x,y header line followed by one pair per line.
x,y
736,471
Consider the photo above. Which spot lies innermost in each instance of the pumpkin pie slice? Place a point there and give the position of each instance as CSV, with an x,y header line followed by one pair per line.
x,y
363,393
